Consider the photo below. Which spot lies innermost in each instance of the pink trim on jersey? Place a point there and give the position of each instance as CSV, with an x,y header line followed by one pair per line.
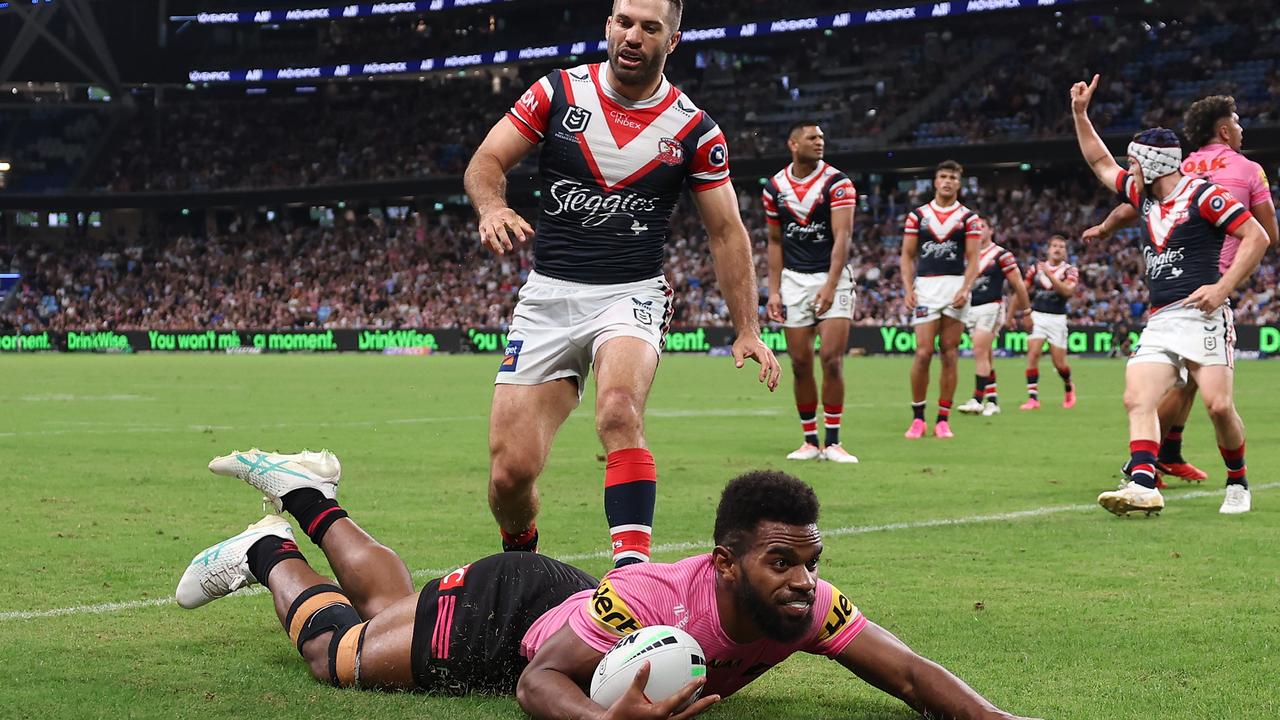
x,y
683,594
1242,177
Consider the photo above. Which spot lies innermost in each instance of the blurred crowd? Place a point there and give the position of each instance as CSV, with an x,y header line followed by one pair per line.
x,y
427,270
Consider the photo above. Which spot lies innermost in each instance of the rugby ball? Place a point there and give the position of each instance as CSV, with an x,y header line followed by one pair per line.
x,y
674,659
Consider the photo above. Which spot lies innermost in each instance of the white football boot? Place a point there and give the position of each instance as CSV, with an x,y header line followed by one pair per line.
x,y
222,569
972,407
990,409
1132,498
1238,500
276,474
807,451
836,453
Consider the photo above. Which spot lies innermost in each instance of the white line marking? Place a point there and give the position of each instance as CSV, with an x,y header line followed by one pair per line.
x,y
199,428
662,548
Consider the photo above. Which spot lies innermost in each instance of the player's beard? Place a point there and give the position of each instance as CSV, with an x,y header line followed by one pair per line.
x,y
768,617
645,72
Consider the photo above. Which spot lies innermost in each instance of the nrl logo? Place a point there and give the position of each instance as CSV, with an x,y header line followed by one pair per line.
x,y
670,152
576,119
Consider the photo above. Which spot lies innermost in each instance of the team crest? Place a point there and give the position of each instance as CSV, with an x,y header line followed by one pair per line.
x,y
643,310
670,152
576,119
717,155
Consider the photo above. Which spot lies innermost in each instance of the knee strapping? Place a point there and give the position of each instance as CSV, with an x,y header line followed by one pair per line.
x,y
323,609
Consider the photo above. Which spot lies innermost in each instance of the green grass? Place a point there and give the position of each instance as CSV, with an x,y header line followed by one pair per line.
x,y
1083,615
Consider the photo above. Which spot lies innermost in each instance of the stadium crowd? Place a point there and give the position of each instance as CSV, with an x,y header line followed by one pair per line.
x,y
880,90
427,270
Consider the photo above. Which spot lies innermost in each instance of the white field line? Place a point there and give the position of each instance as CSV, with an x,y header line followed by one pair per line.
x,y
196,428
662,548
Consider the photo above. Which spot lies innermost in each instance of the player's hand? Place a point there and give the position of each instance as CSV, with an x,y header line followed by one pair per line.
x,y
1207,298
823,300
909,300
961,299
633,705
1081,94
1028,322
773,309
1097,232
751,346
498,226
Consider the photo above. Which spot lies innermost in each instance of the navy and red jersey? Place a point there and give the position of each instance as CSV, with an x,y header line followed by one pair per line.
x,y
1043,297
802,207
994,265
612,171
1183,234
940,237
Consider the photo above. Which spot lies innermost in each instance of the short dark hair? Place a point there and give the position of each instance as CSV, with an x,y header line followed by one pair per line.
x,y
1200,122
762,495
800,124
949,165
677,10
1059,236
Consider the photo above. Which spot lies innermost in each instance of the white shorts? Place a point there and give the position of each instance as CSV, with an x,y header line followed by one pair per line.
x,y
1049,326
987,316
1178,335
799,289
560,325
934,294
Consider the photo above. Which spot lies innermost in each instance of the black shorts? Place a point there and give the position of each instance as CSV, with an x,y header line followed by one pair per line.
x,y
470,623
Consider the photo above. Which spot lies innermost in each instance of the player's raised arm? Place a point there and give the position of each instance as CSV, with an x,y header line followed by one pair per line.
x,y
551,686
1121,216
1091,146
486,184
880,658
736,276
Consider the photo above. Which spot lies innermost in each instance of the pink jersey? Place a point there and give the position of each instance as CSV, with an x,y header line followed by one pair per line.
x,y
1242,177
683,594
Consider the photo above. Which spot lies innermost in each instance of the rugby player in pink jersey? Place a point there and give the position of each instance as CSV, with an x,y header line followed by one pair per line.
x,y
1212,125
527,624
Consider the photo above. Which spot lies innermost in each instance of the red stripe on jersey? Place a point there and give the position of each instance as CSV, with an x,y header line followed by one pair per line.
x,y
626,123
1234,225
586,147
523,128
534,108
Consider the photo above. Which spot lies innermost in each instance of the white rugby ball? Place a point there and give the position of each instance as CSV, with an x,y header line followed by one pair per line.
x,y
674,659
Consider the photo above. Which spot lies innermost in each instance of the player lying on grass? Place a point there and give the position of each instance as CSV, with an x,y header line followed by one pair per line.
x,y
1190,327
526,623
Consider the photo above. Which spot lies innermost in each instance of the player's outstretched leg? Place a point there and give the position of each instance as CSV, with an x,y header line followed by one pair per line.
x,y
305,486
321,621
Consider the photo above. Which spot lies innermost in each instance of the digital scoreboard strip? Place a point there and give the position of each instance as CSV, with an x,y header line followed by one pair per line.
x,y
839,21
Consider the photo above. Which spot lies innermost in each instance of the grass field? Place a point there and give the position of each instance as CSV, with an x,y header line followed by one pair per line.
x,y
985,553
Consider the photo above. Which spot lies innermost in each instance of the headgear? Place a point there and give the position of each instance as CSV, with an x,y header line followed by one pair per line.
x,y
1157,152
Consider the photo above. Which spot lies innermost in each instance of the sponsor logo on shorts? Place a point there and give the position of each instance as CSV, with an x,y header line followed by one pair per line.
x,y
511,356
454,579
1211,343
610,612
922,311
